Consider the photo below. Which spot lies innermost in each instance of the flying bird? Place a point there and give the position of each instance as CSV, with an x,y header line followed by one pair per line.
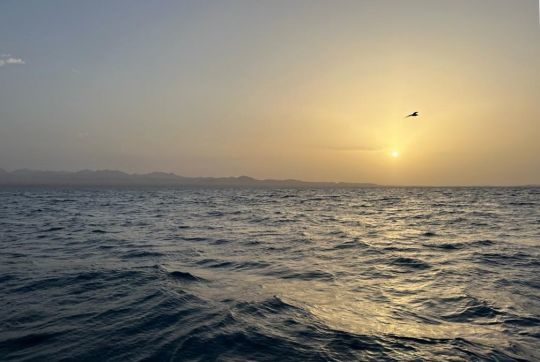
x,y
414,114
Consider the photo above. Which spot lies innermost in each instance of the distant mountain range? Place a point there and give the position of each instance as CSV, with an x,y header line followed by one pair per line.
x,y
118,178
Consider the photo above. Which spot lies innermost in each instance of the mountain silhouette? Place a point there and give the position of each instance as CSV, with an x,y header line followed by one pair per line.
x,y
26,177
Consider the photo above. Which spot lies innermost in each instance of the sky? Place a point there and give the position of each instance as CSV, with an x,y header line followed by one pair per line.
x,y
305,89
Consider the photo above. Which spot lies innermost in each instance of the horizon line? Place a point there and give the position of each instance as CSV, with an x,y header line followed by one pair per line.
x,y
337,183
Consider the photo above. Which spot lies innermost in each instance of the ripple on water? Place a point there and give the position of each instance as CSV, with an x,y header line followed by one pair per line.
x,y
184,276
255,274
408,262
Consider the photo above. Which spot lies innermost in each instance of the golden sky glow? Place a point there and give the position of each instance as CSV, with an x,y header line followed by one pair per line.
x,y
305,89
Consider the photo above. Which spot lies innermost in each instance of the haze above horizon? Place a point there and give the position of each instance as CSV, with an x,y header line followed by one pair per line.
x,y
307,90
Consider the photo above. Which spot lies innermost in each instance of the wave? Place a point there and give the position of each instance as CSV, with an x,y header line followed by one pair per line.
x,y
142,254
472,310
27,341
54,228
350,245
461,245
233,265
409,263
80,280
307,275
185,276
194,238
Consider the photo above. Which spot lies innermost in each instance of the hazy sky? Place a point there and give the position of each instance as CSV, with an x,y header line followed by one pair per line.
x,y
314,90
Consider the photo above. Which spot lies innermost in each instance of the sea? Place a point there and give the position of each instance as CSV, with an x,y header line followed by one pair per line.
x,y
240,274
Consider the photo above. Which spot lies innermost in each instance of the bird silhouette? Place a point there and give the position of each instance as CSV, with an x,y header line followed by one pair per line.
x,y
414,114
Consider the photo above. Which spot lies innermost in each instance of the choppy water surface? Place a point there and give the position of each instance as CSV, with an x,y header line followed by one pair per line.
x,y
238,274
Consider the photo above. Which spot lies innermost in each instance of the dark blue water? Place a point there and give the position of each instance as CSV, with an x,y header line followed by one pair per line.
x,y
330,275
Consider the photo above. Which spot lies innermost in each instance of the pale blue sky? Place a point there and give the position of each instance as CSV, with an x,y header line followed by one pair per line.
x,y
313,90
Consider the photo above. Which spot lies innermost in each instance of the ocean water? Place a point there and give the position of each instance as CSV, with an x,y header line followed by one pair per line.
x,y
270,274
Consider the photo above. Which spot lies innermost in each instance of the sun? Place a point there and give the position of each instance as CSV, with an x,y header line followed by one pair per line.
x,y
394,154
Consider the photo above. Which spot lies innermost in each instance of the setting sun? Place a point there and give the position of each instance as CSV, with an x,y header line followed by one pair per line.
x,y
394,154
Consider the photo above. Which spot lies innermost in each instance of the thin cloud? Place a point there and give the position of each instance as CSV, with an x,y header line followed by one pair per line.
x,y
8,59
356,148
